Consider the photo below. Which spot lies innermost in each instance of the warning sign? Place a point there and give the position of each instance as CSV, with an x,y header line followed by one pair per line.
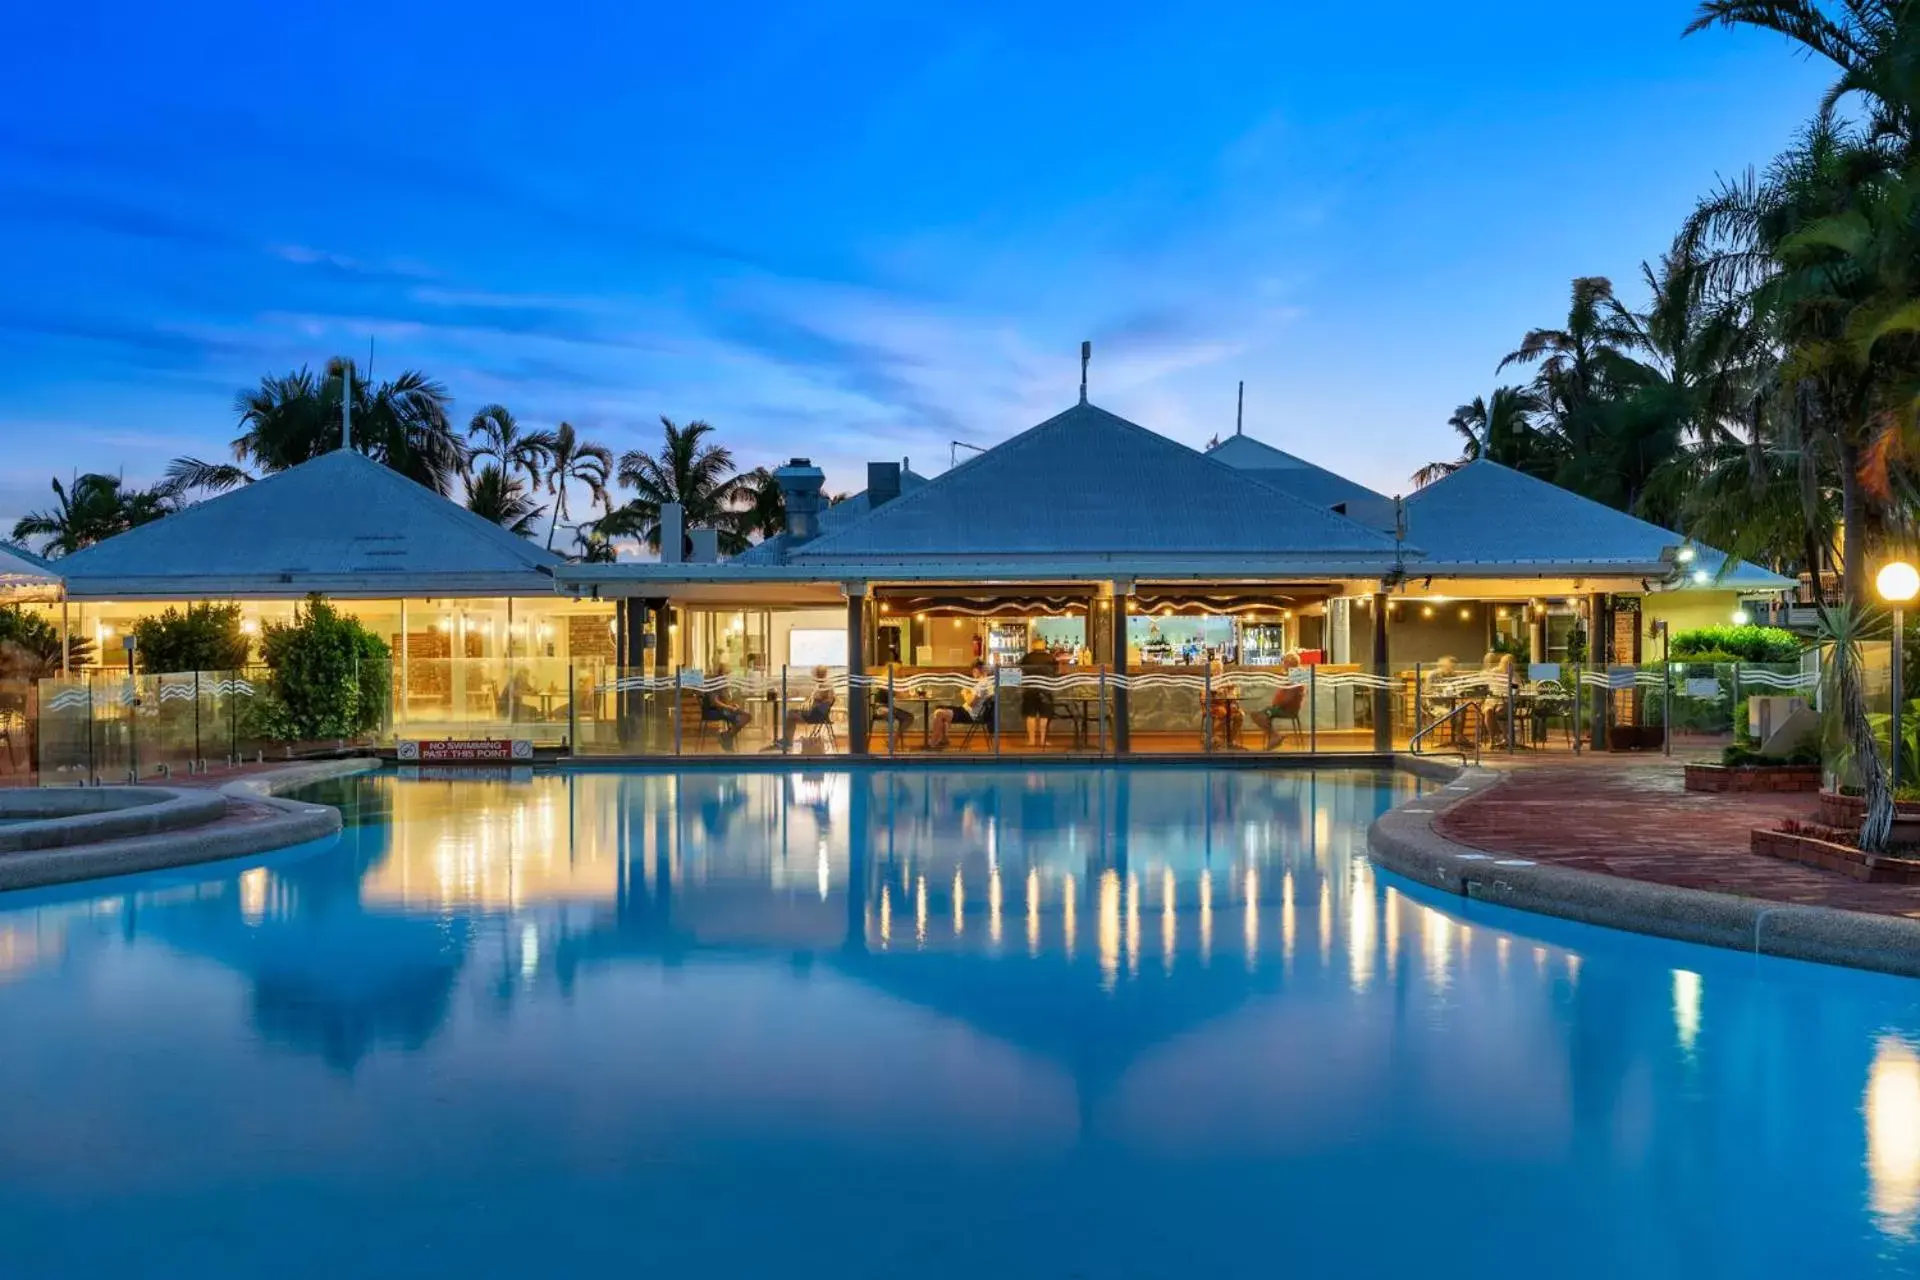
x,y
465,751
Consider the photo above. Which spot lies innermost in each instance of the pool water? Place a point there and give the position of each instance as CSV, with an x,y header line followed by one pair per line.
x,y
1018,1022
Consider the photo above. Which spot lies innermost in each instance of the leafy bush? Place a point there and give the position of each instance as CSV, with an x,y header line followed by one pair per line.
x,y
1737,644
207,637
329,677
30,646
1737,756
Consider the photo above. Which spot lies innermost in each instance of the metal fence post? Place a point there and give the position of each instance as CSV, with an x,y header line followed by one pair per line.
x,y
573,712
999,709
92,770
1666,707
1510,713
1579,696
1733,711
1206,711
233,718
1419,702
1313,710
1100,711
892,719
679,708
133,726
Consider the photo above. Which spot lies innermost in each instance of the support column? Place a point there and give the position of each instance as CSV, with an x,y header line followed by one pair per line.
x,y
1536,632
1382,696
1599,656
859,697
1122,730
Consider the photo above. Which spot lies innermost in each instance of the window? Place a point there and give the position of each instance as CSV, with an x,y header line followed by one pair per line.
x,y
809,647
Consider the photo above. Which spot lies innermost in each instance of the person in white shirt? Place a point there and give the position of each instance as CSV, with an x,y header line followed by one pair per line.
x,y
978,709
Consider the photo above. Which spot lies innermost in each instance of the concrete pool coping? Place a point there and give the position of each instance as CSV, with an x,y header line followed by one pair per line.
x,y
213,838
1403,841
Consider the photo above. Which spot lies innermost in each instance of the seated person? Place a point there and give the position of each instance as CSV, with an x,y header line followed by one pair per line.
x,y
978,709
1036,704
883,707
1223,712
717,707
819,709
1286,704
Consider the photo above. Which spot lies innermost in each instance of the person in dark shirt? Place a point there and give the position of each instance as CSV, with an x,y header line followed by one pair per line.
x,y
717,708
1036,703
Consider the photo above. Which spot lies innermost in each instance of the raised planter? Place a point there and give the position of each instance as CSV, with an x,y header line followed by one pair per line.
x,y
1840,810
1829,855
1720,778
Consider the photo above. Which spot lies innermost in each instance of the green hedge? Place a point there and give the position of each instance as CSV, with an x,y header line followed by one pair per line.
x,y
206,637
1737,644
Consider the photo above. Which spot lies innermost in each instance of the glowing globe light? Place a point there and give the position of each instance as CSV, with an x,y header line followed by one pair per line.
x,y
1898,582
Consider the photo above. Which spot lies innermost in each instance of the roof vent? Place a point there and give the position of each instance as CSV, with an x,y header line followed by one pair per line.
x,y
800,485
883,483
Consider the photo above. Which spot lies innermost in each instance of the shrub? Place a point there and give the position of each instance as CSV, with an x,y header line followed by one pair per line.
x,y
1737,644
30,646
207,637
328,677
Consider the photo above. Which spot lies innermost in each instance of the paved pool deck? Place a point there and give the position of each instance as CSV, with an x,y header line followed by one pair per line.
x,y
1635,820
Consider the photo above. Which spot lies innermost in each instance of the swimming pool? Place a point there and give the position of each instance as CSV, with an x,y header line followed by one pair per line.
x,y
1014,1022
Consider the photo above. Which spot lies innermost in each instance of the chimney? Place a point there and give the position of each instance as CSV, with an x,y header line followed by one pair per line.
x,y
706,546
673,533
883,483
800,484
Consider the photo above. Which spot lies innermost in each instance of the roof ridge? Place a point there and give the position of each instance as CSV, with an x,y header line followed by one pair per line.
x,y
934,482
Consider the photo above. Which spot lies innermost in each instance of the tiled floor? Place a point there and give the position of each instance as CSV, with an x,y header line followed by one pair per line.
x,y
1636,820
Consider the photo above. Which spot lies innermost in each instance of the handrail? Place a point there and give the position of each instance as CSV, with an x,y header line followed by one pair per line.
x,y
1471,710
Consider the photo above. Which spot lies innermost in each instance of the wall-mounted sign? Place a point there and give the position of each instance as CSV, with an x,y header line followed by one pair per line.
x,y
464,751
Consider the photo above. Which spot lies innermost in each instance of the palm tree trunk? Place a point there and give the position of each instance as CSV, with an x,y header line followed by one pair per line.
x,y
1853,541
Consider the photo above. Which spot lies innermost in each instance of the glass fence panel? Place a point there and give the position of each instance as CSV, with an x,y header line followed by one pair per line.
x,y
19,729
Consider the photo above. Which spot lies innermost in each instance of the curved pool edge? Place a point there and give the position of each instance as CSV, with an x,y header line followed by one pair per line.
x,y
293,822
1403,841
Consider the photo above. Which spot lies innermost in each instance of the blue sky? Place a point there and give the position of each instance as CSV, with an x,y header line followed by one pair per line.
x,y
849,230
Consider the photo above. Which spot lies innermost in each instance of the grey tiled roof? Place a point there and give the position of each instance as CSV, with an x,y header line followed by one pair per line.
x,y
20,566
1087,482
1303,479
1486,514
341,522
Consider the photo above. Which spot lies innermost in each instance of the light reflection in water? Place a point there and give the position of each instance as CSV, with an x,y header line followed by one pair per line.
x,y
959,904
1169,919
1360,909
1893,1135
1437,935
1686,1007
1133,924
1206,917
1288,918
993,905
920,911
886,915
1252,907
1326,921
1107,929
1069,905
1033,911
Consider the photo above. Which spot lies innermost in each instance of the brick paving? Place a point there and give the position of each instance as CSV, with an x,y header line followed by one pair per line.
x,y
1635,820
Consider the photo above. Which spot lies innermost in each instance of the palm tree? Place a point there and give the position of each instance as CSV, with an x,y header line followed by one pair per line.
x,y
571,460
592,547
500,496
763,510
294,418
503,439
1580,363
94,508
697,475
1500,429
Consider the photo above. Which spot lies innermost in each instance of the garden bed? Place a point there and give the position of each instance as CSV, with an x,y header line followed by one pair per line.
x,y
1838,809
1721,778
1828,849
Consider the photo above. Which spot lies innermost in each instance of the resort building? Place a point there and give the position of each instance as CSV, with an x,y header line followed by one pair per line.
x,y
1166,594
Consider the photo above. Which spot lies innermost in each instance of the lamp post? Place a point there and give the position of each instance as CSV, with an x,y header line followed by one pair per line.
x,y
1898,583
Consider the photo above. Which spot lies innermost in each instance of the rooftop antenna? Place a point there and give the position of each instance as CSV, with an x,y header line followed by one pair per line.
x,y
1240,410
1086,358
953,451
